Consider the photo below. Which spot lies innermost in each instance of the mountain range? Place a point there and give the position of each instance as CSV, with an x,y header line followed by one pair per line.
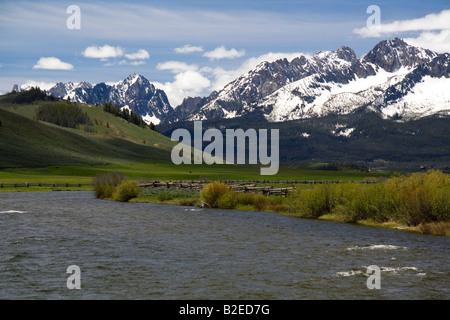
x,y
135,92
394,79
392,104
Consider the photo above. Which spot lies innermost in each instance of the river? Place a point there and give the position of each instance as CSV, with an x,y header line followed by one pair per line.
x,y
151,251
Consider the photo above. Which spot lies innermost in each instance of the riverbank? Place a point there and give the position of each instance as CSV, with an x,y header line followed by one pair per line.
x,y
432,228
418,203
171,198
180,198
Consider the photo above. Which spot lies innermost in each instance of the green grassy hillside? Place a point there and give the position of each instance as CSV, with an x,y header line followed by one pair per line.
x,y
42,152
25,142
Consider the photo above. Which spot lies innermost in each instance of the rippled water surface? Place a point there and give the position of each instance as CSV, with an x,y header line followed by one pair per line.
x,y
149,251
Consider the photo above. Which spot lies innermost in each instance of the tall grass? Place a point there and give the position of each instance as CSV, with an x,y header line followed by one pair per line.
x,y
378,202
232,199
417,199
221,196
424,197
315,202
106,185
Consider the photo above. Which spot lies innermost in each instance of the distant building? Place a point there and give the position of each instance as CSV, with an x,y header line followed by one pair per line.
x,y
15,88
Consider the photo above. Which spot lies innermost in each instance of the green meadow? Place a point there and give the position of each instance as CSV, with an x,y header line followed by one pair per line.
x,y
33,151
169,171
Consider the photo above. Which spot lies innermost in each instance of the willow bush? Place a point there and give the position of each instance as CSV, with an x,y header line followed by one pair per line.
x,y
415,199
314,202
213,191
377,202
424,197
125,191
106,183
116,186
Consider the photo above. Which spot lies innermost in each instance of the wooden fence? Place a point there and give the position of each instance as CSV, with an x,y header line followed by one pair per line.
x,y
236,185
244,185
197,185
36,184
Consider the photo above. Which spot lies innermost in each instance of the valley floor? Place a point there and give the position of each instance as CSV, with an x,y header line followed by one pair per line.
x,y
78,178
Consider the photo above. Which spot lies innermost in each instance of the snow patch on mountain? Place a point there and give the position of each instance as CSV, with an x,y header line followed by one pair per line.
x,y
387,81
305,135
427,97
343,133
308,98
151,119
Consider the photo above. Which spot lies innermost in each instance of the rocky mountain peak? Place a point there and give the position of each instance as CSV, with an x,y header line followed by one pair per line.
x,y
346,53
135,91
393,54
333,82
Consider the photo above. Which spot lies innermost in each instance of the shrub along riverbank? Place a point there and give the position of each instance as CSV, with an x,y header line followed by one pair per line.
x,y
115,186
419,202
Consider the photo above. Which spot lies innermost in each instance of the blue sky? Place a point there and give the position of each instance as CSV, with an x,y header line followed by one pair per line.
x,y
190,48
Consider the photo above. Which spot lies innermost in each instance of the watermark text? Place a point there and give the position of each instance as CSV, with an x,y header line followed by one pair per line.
x,y
235,147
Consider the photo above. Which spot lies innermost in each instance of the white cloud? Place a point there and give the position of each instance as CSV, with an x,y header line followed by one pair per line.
x,y
40,84
439,42
52,63
141,54
192,81
103,52
434,31
176,66
429,22
222,53
186,84
188,49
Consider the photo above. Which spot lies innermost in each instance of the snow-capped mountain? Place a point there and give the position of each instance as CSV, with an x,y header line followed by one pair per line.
x,y
135,93
394,79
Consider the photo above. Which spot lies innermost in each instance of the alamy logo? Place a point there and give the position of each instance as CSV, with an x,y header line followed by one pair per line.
x,y
235,139
374,280
74,280
73,22
374,20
